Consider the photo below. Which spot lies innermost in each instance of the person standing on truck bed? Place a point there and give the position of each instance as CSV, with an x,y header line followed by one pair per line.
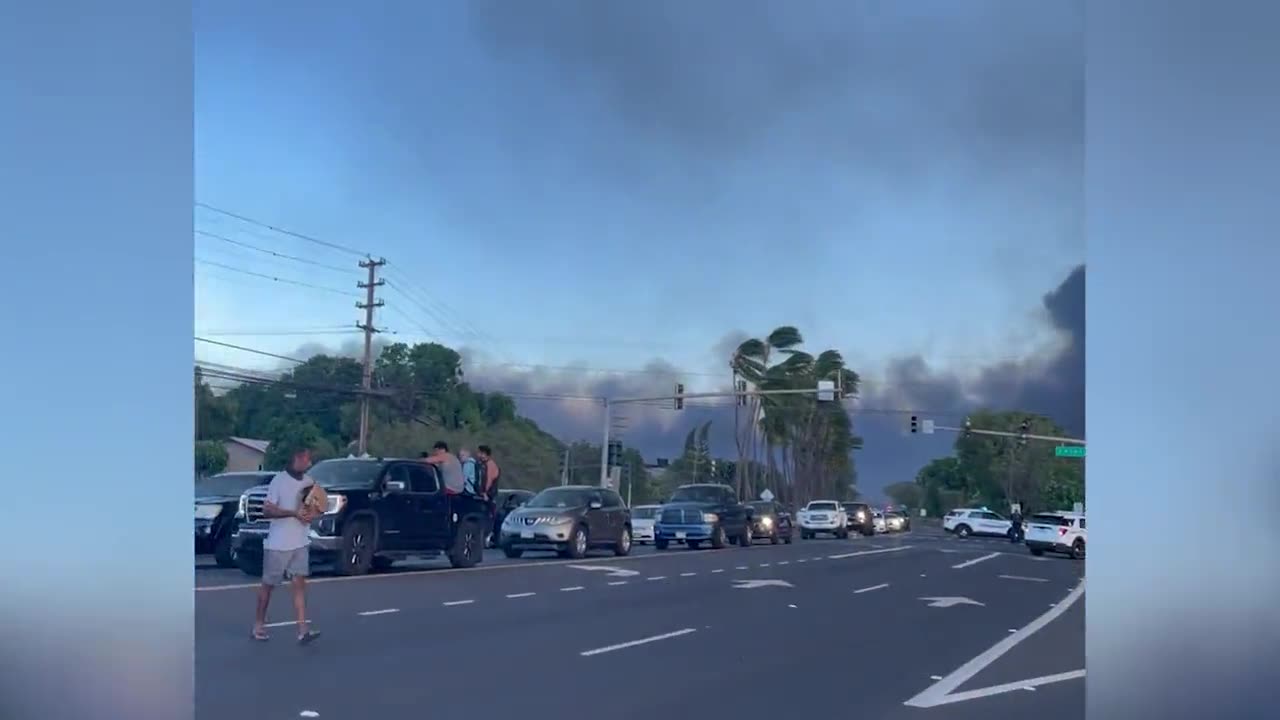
x,y
285,547
450,468
470,472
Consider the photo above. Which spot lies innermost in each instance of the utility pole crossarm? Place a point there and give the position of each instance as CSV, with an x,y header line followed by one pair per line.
x,y
725,393
1018,436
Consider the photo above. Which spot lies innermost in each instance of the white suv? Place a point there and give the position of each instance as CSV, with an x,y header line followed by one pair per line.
x,y
1063,532
823,516
966,521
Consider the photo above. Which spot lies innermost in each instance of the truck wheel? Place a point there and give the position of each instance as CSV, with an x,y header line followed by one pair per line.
x,y
963,531
222,552
659,544
578,544
718,539
513,553
805,534
358,547
843,535
467,550
744,540
623,547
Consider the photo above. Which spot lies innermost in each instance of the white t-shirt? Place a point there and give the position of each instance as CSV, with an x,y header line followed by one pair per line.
x,y
286,493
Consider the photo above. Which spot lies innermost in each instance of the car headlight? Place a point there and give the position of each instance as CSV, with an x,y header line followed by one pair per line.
x,y
862,515
710,517
242,510
335,504
766,521
207,512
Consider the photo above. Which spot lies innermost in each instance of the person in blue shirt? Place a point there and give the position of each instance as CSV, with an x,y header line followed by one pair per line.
x,y
470,472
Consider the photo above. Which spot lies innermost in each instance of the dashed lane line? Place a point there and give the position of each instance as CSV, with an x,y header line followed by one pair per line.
x,y
975,561
452,603
881,586
513,596
633,643
575,588
388,611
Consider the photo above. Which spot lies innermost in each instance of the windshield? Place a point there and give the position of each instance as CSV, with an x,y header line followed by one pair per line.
x,y
822,506
647,512
854,507
335,473
560,498
698,493
761,508
229,484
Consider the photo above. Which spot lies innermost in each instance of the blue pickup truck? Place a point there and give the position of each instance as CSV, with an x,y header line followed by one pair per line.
x,y
703,513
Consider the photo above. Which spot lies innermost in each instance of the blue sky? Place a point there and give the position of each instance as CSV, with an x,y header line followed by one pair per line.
x,y
590,185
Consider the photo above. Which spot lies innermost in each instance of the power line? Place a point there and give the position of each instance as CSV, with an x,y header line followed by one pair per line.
x,y
282,231
336,330
242,348
283,256
273,278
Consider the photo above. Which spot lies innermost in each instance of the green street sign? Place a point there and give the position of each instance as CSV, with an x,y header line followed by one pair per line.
x,y
1069,451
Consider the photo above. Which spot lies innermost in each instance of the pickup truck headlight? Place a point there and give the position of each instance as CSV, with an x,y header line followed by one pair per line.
x,y
710,517
335,504
242,510
766,521
207,512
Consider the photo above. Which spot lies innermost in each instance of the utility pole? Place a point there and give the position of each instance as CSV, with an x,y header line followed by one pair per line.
x,y
564,473
366,379
604,445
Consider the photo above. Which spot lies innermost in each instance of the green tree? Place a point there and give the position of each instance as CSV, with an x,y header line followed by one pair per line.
x,y
907,494
215,415
211,457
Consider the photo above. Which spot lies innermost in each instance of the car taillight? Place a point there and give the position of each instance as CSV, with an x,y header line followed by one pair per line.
x,y
1062,531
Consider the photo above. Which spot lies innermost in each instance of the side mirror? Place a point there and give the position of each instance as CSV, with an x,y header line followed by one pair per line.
x,y
396,486
595,505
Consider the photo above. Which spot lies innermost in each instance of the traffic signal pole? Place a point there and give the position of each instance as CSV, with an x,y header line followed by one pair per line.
x,y
1014,435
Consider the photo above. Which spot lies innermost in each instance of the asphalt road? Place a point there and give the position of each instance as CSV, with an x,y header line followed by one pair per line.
x,y
828,628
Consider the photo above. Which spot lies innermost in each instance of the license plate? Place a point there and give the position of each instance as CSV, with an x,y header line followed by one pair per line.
x,y
526,534
679,536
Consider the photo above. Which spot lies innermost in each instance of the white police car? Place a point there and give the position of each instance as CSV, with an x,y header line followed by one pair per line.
x,y
980,521
1060,532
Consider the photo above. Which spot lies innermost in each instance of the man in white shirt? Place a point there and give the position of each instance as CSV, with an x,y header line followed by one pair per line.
x,y
284,552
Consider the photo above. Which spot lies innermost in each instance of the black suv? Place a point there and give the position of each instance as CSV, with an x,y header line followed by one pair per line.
x,y
770,520
703,513
860,518
570,520
380,511
217,498
506,502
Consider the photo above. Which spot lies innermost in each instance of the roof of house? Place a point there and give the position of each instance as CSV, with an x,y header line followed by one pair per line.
x,y
258,445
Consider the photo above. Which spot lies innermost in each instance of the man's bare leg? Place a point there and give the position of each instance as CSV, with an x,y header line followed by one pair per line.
x,y
299,585
260,618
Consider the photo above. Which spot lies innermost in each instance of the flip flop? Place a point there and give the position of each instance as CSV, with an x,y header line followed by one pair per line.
x,y
308,637
259,637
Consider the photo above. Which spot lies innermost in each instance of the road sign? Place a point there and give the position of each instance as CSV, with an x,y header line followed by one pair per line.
x,y
946,602
926,427
766,495
1074,451
752,584
826,390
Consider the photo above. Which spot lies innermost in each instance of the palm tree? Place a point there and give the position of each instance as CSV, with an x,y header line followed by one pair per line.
x,y
751,363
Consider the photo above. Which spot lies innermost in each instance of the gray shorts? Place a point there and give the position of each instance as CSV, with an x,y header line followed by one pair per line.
x,y
277,565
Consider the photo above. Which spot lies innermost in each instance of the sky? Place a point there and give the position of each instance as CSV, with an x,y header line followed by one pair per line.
x,y
567,187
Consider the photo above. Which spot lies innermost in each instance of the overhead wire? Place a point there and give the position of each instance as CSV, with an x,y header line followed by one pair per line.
x,y
286,281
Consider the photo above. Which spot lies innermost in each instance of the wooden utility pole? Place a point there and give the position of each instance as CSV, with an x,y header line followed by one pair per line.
x,y
366,379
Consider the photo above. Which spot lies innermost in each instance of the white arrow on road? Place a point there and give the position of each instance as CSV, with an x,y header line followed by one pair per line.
x,y
946,602
613,571
750,584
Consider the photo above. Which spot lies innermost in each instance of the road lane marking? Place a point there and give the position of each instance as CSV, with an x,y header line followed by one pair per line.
x,y
449,570
860,553
719,570
633,643
873,587
451,603
657,577
940,693
388,611
975,561
520,595
691,574
741,567
571,589
764,564
1022,577
799,561
619,582
786,562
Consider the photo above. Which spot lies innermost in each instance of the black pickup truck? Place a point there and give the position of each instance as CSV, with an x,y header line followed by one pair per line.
x,y
216,499
701,513
380,510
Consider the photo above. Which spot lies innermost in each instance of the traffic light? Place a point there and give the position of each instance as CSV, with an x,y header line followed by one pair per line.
x,y
615,453
968,427
1023,429
915,424
741,386
679,396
